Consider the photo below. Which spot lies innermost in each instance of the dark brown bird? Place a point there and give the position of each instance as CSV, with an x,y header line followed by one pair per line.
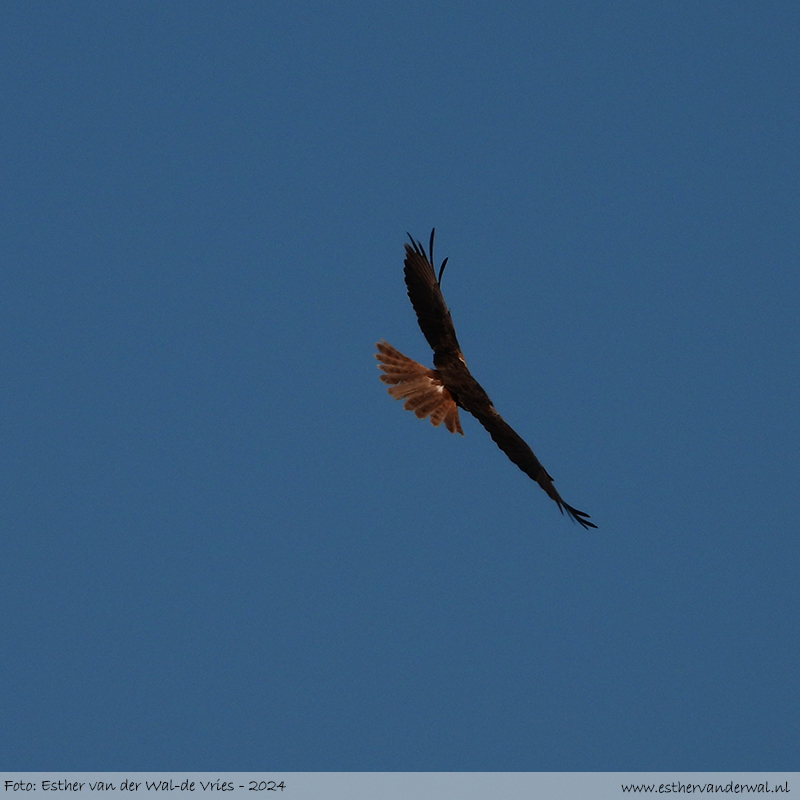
x,y
440,392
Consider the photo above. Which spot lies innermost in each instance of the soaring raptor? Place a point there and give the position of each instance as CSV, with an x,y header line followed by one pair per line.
x,y
440,392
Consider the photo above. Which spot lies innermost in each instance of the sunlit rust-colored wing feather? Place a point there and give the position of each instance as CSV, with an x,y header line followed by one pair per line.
x,y
420,387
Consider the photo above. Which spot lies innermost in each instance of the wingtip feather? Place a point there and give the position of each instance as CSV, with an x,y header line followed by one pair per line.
x,y
581,517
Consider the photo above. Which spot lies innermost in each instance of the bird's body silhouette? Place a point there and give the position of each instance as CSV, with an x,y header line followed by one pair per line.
x,y
441,391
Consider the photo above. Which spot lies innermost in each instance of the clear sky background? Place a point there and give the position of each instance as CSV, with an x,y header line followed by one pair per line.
x,y
225,547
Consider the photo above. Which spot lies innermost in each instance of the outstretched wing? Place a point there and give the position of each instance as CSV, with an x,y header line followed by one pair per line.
x,y
426,297
515,447
420,387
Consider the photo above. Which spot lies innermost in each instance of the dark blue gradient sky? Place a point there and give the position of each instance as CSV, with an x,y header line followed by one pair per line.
x,y
225,547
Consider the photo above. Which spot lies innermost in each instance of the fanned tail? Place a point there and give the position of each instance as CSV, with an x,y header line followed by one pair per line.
x,y
420,387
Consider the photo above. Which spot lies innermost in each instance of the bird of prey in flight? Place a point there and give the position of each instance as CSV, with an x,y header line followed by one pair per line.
x,y
440,392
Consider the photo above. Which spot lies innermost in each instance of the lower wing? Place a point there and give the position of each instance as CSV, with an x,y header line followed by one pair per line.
x,y
515,447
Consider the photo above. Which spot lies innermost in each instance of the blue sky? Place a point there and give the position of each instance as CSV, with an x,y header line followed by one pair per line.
x,y
225,547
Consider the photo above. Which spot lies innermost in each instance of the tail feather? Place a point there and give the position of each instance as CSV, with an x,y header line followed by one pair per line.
x,y
420,387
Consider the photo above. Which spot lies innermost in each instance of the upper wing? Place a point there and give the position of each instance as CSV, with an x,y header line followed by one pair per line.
x,y
515,447
426,297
